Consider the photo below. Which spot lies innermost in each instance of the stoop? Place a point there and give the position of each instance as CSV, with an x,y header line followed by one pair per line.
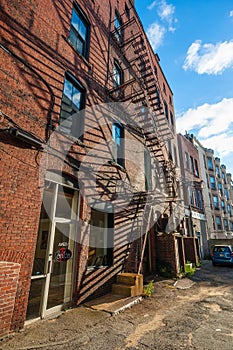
x,y
128,284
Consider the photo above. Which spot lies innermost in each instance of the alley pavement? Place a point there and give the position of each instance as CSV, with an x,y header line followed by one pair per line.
x,y
191,313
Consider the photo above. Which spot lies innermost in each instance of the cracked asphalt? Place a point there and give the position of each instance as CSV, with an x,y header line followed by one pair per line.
x,y
199,317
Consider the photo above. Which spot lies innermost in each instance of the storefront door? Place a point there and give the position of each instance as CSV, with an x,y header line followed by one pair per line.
x,y
52,276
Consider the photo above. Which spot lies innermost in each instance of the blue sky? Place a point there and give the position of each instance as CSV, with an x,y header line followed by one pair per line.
x,y
194,40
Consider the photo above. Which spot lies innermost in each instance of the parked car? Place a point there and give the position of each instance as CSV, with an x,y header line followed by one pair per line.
x,y
222,254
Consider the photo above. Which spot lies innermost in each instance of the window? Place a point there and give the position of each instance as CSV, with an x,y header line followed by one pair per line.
x,y
118,143
216,203
196,171
166,110
118,32
229,209
210,163
219,222
224,178
164,89
187,160
72,102
192,164
169,149
223,205
191,199
231,226
220,188
226,226
99,253
196,198
200,200
175,156
127,11
204,159
117,75
172,119
147,166
210,198
226,193
217,170
79,31
212,182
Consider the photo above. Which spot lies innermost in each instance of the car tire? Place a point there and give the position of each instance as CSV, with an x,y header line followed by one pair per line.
x,y
213,263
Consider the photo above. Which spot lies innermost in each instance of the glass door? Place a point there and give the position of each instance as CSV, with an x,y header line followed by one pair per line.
x,y
51,281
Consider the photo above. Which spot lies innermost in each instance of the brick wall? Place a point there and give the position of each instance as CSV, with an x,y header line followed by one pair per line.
x,y
9,275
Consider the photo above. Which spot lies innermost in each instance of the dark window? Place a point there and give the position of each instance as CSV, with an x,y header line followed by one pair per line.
x,y
118,31
172,119
196,198
166,110
231,226
226,193
216,203
164,88
118,143
147,166
99,253
127,11
220,188
224,177
191,199
79,31
229,209
192,164
223,205
200,199
117,75
72,102
196,170
175,156
226,226
211,206
169,149
212,182
210,163
219,222
204,159
187,160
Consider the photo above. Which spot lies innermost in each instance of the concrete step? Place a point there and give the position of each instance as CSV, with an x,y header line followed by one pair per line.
x,y
124,290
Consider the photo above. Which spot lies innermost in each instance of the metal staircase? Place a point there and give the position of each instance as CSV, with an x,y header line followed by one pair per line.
x,y
142,88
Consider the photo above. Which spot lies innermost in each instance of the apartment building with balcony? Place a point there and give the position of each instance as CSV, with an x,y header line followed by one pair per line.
x,y
192,185
217,194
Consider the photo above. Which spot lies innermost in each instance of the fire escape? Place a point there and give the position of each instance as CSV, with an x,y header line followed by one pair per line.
x,y
141,87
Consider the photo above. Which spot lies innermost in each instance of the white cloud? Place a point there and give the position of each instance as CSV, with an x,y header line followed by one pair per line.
x,y
220,143
152,5
166,11
213,126
209,58
208,119
231,13
155,34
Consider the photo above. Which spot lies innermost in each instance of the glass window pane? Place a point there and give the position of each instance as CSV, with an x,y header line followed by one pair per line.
x,y
64,202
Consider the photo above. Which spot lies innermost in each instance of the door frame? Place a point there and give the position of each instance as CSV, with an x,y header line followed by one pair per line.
x,y
75,214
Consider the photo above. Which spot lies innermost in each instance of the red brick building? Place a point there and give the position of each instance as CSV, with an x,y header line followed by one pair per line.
x,y
87,120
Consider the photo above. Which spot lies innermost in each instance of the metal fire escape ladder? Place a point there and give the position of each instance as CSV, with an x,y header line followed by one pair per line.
x,y
146,93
